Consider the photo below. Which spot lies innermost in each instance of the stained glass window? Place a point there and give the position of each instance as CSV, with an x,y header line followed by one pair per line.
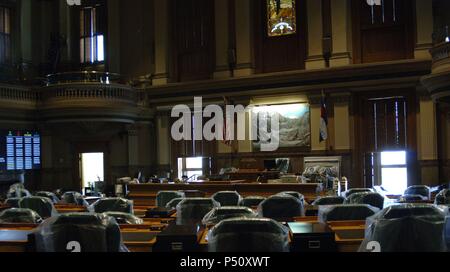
x,y
281,17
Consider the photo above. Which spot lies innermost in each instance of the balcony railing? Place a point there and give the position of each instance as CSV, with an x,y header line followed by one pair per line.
x,y
83,77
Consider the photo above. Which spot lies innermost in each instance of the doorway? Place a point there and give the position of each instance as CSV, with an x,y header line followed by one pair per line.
x,y
91,169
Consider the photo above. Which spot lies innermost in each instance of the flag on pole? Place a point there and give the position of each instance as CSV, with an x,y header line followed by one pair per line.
x,y
323,119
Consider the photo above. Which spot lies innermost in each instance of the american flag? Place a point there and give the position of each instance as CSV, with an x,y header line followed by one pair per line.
x,y
323,119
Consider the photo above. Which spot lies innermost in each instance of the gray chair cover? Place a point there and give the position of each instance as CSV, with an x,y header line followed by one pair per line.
x,y
251,201
248,235
79,232
346,212
227,198
16,215
329,200
164,197
281,207
218,214
42,205
406,228
191,211
373,199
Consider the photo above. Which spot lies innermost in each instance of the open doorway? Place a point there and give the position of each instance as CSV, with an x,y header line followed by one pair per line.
x,y
91,169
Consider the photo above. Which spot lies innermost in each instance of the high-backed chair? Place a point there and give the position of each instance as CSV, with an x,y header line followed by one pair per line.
x,y
251,201
419,190
348,193
17,191
296,195
227,198
79,232
443,198
42,205
125,218
216,215
16,215
164,197
406,228
13,202
447,232
405,199
74,198
48,195
114,204
373,199
248,235
346,212
173,203
329,200
191,211
281,207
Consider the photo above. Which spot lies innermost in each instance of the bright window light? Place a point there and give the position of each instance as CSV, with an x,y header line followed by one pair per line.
x,y
194,163
393,158
100,48
92,167
395,180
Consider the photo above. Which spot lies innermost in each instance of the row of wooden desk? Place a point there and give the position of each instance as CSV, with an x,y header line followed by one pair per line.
x,y
145,194
141,238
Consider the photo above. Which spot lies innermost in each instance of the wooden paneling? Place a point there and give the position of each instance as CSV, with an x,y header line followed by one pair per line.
x,y
274,54
387,37
193,39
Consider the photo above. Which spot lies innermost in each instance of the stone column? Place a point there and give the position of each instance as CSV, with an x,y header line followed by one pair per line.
x,y
341,104
163,140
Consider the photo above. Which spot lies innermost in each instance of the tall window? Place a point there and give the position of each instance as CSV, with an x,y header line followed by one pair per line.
x,y
5,35
92,39
192,168
386,164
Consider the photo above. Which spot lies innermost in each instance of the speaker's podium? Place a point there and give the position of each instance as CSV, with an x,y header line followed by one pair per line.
x,y
178,238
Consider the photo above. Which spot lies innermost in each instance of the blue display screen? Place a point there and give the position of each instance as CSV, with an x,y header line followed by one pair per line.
x,y
20,150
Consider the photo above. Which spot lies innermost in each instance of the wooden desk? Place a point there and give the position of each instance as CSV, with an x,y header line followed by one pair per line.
x,y
145,194
14,240
349,234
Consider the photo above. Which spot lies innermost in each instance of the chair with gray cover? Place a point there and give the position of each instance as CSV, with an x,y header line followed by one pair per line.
x,y
443,198
248,235
164,197
13,202
294,194
419,190
174,203
251,201
74,198
373,199
406,228
49,195
348,193
281,207
346,212
191,211
217,215
113,204
329,200
79,232
227,198
42,205
125,218
17,215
